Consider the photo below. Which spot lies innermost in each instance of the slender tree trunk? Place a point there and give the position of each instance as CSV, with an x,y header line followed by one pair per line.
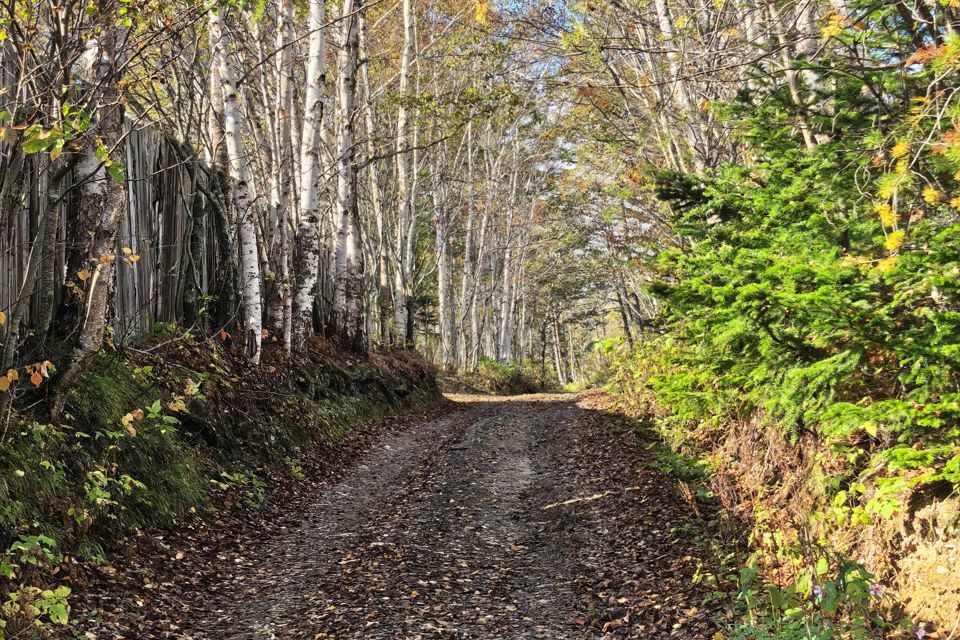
x,y
571,358
557,355
281,177
404,190
348,299
624,319
792,76
467,336
376,197
447,322
241,199
101,201
309,231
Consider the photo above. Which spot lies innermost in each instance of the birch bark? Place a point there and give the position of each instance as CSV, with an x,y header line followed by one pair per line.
x,y
101,196
376,198
404,190
309,228
241,201
348,299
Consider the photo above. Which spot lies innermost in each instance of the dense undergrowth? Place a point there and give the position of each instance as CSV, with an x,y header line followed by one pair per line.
x,y
509,378
806,351
153,436
814,366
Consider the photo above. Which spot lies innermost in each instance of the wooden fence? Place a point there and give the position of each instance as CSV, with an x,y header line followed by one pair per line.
x,y
169,227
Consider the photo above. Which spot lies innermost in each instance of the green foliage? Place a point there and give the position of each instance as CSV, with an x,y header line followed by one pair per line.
x,y
815,297
782,309
829,602
508,378
30,611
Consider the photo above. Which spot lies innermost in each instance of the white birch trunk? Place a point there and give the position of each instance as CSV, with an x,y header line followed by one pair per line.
x,y
240,195
447,322
348,299
282,177
466,294
309,228
376,197
101,202
404,190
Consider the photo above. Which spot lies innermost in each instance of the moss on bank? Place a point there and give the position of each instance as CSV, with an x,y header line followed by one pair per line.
x,y
148,437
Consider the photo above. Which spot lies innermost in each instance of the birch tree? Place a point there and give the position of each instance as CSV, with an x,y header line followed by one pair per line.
x,y
405,214
309,228
349,318
101,192
241,197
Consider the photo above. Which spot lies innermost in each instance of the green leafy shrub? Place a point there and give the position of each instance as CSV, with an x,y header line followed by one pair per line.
x,y
508,378
809,336
822,605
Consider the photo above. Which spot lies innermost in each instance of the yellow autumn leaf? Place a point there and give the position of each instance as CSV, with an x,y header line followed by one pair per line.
x,y
4,383
127,422
482,11
3,318
83,274
886,214
833,26
887,189
931,195
887,264
895,240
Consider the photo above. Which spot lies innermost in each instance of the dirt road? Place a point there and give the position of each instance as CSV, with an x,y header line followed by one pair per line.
x,y
525,517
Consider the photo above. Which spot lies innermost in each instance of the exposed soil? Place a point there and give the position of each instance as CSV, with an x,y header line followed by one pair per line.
x,y
524,517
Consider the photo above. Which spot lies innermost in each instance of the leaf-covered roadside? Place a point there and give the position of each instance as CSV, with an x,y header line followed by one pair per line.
x,y
182,427
157,585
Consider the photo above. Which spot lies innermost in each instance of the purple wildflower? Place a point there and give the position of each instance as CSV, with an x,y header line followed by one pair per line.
x,y
876,590
921,632
817,592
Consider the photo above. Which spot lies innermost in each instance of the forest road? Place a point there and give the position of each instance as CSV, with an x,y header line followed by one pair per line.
x,y
522,517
